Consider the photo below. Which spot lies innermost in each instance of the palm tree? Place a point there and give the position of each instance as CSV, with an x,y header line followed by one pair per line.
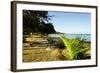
x,y
74,47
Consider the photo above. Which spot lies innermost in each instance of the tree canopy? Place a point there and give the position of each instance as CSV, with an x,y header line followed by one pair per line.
x,y
37,22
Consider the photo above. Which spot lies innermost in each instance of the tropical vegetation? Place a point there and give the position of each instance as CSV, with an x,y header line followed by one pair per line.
x,y
74,47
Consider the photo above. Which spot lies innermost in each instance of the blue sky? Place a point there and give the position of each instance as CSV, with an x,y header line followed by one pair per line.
x,y
71,22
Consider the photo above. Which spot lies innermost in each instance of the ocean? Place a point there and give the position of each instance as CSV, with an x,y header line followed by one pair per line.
x,y
87,37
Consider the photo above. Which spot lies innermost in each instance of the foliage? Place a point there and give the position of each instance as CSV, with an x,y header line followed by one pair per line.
x,y
37,22
50,41
74,47
59,43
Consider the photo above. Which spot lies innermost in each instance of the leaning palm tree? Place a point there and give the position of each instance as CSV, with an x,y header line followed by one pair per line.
x,y
74,47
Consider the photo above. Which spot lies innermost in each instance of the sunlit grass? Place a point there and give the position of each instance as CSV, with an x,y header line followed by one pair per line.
x,y
75,49
37,55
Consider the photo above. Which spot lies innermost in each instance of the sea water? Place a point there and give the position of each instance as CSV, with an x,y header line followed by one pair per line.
x,y
87,37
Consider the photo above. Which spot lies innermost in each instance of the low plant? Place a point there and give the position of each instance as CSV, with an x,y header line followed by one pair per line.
x,y
50,41
74,47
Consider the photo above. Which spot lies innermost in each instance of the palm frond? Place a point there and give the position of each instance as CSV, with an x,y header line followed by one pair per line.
x,y
74,46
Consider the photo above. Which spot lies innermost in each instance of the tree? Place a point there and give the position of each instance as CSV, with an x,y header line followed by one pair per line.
x,y
37,21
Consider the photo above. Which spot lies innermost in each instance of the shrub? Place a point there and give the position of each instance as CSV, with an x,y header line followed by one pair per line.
x,y
74,47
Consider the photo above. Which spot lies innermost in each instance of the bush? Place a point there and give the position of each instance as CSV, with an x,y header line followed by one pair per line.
x,y
75,47
59,44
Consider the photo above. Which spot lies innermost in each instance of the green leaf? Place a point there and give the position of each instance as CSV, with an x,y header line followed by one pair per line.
x,y
74,46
